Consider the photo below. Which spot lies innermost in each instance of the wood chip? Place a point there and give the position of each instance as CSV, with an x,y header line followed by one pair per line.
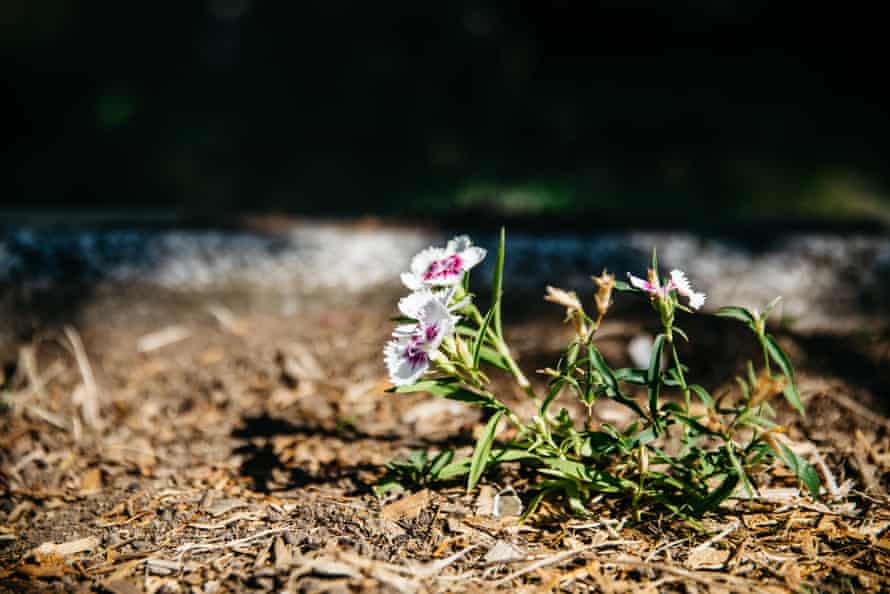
x,y
707,558
503,552
91,481
283,557
66,549
407,508
161,338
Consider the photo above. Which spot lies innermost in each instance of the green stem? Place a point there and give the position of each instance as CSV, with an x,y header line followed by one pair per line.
x,y
503,350
686,395
765,355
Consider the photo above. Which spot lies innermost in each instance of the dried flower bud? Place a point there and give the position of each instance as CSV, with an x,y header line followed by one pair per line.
x,y
567,299
605,282
574,309
548,371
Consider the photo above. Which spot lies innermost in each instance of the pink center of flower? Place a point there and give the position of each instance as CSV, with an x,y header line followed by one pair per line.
x,y
431,332
415,356
447,267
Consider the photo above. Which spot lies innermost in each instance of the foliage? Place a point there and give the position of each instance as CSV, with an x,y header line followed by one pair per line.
x,y
685,455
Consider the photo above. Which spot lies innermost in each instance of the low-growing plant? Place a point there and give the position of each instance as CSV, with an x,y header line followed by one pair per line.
x,y
686,454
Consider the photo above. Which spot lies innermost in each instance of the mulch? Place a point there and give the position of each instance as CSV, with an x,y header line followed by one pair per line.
x,y
210,446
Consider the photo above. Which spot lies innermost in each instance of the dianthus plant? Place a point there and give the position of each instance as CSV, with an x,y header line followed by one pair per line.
x,y
684,450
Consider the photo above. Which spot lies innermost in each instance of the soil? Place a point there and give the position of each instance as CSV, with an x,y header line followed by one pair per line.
x,y
209,444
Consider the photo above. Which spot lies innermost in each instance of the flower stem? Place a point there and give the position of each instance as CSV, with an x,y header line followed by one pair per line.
x,y
686,396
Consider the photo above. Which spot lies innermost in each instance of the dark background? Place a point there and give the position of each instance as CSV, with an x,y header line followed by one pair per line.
x,y
629,113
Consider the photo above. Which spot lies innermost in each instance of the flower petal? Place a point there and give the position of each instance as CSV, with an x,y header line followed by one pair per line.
x,y
681,283
696,300
404,363
640,283
472,256
459,244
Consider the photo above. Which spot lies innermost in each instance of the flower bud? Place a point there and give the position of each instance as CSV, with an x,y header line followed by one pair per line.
x,y
605,282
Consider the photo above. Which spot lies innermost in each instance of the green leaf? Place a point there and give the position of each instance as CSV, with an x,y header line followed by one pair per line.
x,y
483,448
738,313
451,391
496,285
749,488
492,357
623,286
652,375
793,397
462,467
441,460
605,371
778,355
719,494
654,261
480,338
801,469
769,307
706,398
681,333
387,485
632,376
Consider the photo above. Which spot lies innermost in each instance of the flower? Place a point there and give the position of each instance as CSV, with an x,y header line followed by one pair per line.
x,y
408,355
678,282
438,267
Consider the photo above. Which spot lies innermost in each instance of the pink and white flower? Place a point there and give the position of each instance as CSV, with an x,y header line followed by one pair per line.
x,y
408,355
438,267
677,282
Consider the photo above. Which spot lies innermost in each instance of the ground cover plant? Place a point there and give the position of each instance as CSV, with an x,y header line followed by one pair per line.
x,y
674,455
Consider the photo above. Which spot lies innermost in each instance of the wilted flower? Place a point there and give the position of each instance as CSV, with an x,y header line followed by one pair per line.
x,y
574,309
407,356
605,282
678,282
567,299
438,267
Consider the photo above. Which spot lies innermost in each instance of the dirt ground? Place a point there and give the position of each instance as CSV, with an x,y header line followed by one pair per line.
x,y
161,443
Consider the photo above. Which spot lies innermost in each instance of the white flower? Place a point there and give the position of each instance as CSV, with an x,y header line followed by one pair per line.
x,y
407,356
678,282
681,283
438,267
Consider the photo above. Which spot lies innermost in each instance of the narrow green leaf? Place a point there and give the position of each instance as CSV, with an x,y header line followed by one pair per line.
x,y
623,286
462,467
738,313
480,337
483,448
652,374
769,307
631,375
496,285
749,488
654,261
605,371
441,460
706,398
451,391
778,355
492,357
713,500
801,469
793,397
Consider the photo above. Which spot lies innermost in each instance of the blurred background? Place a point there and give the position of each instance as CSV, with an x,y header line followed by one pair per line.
x,y
709,115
